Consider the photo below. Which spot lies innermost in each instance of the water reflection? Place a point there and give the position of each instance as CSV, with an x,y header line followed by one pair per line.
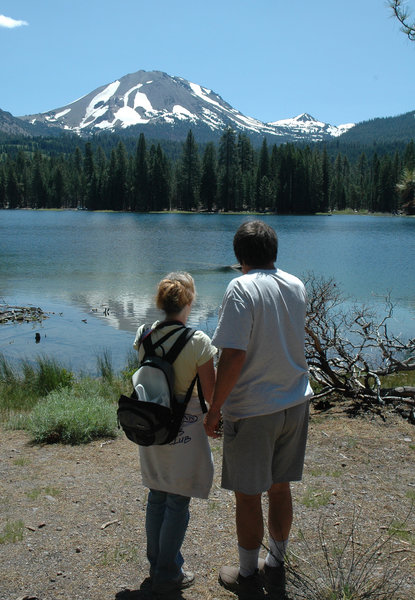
x,y
80,263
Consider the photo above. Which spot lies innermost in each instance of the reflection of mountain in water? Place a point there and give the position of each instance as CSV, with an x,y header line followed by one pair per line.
x,y
128,312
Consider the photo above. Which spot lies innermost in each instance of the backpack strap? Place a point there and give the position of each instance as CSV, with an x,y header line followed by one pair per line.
x,y
199,393
149,347
201,397
179,344
173,353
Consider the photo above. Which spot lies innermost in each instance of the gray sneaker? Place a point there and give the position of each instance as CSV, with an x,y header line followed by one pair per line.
x,y
185,580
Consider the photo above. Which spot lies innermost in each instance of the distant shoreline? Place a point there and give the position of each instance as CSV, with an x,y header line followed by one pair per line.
x,y
346,212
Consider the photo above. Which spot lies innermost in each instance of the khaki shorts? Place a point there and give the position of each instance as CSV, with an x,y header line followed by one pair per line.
x,y
260,451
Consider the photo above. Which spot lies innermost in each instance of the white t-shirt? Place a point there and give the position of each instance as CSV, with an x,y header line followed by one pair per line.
x,y
263,313
184,466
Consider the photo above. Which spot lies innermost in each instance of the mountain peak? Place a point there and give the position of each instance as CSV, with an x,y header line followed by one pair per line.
x,y
161,105
304,118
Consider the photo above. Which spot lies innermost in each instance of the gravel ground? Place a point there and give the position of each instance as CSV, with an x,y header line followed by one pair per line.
x,y
81,512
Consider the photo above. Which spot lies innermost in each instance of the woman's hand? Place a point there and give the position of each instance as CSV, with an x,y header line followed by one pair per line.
x,y
211,423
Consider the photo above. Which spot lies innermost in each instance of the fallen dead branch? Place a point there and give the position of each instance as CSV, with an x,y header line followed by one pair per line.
x,y
351,353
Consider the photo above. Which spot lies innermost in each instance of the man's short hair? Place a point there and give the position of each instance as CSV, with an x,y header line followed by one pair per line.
x,y
255,244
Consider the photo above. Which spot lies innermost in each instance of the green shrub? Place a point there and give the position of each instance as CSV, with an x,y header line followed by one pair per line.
x,y
73,416
7,373
131,365
21,390
104,365
50,375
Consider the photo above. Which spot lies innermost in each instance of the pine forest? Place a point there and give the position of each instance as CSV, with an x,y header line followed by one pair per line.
x,y
137,175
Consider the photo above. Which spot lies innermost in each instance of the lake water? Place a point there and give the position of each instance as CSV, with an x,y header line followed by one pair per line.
x,y
96,273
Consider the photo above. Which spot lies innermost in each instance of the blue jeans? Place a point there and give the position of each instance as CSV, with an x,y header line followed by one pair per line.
x,y
167,518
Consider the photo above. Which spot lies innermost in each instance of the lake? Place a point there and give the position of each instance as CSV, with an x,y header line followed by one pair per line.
x,y
96,273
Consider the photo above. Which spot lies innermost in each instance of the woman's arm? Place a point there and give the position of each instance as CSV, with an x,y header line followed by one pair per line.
x,y
207,378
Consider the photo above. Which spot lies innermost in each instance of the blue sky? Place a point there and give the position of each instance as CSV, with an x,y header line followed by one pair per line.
x,y
339,60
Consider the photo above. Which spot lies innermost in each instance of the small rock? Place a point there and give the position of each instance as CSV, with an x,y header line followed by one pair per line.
x,y
78,550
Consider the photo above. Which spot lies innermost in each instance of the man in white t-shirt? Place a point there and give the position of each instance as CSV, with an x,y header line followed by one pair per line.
x,y
262,391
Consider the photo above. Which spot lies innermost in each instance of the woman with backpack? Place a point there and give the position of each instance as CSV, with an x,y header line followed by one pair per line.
x,y
183,468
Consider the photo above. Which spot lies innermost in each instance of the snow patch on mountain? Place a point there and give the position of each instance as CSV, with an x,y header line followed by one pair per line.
x,y
155,98
182,112
307,124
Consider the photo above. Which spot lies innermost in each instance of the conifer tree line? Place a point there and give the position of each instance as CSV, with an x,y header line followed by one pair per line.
x,y
229,176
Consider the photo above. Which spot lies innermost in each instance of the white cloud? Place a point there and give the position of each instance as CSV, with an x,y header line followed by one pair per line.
x,y
11,23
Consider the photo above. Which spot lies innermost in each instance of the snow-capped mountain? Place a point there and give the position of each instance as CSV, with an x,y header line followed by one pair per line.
x,y
306,124
164,106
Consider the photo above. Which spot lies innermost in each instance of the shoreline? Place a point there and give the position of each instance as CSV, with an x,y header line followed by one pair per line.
x,y
338,213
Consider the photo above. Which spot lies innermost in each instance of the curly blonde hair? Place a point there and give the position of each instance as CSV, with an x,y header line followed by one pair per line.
x,y
174,292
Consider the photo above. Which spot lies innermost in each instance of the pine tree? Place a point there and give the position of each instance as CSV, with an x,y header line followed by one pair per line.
x,y
140,177
209,179
159,179
91,197
315,193
409,156
245,175
101,167
387,186
286,179
59,193
362,180
39,189
189,175
122,176
76,178
325,185
13,192
227,170
374,184
2,187
338,195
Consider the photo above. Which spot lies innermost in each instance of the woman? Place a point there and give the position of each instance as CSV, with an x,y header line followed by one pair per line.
x,y
184,468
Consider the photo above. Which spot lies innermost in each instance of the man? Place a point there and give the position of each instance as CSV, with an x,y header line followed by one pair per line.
x,y
262,390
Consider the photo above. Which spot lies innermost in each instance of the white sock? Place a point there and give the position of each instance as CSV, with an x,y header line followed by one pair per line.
x,y
248,561
277,551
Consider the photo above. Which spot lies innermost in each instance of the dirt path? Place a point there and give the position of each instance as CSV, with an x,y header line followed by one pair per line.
x,y
81,510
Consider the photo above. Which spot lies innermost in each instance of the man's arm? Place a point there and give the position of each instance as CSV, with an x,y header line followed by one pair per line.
x,y
229,368
207,378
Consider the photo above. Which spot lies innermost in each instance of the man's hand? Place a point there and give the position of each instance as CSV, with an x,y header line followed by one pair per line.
x,y
211,423
229,368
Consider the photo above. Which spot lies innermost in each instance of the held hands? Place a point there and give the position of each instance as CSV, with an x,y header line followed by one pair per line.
x,y
211,423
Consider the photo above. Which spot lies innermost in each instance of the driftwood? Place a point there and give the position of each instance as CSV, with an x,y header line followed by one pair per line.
x,y
16,314
350,354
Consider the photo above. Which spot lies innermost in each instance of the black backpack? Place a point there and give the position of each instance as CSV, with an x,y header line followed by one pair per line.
x,y
152,415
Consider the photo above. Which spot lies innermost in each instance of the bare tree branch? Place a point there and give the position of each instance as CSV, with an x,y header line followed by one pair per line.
x,y
349,353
